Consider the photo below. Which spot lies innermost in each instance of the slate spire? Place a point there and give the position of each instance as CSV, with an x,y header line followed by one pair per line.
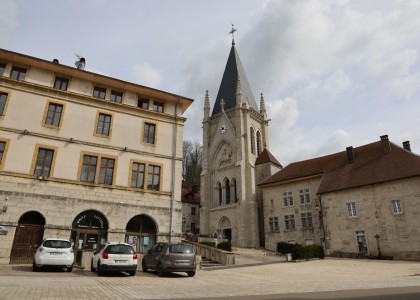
x,y
228,86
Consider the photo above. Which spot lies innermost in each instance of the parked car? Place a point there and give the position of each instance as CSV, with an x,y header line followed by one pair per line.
x,y
167,258
55,253
114,257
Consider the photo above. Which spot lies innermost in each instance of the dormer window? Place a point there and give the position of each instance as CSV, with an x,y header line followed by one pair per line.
x,y
18,73
116,97
158,106
99,92
143,103
61,83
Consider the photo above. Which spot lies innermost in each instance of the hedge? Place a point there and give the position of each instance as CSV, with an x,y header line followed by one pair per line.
x,y
301,252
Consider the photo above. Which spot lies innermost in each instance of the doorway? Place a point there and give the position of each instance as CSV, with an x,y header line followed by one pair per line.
x,y
141,233
361,242
28,237
89,231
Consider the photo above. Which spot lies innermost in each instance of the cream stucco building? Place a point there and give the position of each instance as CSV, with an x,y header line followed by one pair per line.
x,y
85,157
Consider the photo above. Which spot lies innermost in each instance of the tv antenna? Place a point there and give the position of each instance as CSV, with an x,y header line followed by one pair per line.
x,y
80,64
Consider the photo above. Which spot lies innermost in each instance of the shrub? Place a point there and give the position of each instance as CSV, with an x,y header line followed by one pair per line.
x,y
211,244
284,248
227,246
306,252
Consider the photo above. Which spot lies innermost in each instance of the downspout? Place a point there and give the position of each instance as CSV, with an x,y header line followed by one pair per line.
x,y
171,207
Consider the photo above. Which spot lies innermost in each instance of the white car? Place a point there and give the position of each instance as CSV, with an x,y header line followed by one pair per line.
x,y
56,253
114,257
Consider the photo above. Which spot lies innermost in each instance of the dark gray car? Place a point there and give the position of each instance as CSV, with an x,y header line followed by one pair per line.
x,y
167,258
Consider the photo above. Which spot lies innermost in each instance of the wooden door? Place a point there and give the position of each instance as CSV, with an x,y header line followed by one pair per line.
x,y
27,238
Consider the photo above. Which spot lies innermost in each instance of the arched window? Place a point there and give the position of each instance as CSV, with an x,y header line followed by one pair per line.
x,y
219,186
235,190
258,143
227,184
252,139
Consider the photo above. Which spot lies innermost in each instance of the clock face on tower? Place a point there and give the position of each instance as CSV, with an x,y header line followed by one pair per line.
x,y
223,128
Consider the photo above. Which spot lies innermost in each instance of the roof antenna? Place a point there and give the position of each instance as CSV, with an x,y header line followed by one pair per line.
x,y
80,64
232,33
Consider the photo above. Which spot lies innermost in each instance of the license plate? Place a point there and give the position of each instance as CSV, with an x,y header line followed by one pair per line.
x,y
183,263
120,261
56,253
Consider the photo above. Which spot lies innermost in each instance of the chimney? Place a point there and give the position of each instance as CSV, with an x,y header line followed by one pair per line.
x,y
55,61
350,154
386,146
407,146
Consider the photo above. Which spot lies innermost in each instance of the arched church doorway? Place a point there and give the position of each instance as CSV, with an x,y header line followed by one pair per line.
x,y
28,237
141,233
89,230
225,228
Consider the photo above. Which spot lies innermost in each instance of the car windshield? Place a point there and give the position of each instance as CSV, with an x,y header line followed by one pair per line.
x,y
180,249
57,244
119,249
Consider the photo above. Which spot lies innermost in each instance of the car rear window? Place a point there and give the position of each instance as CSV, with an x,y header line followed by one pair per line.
x,y
181,249
57,244
119,249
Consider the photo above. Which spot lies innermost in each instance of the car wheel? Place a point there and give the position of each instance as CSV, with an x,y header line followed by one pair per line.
x,y
100,272
159,270
191,273
132,273
69,269
92,269
143,266
34,267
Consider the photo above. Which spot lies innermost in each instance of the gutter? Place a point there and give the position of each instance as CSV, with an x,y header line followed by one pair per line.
x,y
171,207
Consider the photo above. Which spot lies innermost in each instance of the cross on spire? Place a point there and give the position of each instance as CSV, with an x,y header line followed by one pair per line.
x,y
232,31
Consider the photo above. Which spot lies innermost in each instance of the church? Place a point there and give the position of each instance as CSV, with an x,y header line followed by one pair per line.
x,y
235,158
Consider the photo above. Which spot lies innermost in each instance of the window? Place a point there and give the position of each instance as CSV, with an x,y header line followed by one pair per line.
x,y
137,175
192,227
104,124
158,106
289,221
396,206
271,204
61,83
235,190
306,218
351,209
288,199
116,97
258,143
304,196
89,168
273,222
106,172
99,92
153,180
227,185
219,187
3,101
149,133
54,114
193,211
44,162
18,73
2,150
252,138
2,67
143,103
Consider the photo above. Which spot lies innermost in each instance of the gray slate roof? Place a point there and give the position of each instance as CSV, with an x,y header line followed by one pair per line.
x,y
227,89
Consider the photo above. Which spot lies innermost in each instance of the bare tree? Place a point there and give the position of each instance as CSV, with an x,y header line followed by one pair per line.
x,y
191,166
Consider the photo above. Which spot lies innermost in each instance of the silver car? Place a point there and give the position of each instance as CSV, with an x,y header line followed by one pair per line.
x,y
167,258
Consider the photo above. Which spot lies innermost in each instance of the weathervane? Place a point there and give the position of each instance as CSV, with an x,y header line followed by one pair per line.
x,y
232,33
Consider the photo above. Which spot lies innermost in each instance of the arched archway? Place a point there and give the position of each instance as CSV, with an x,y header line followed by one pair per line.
x,y
89,231
225,228
28,237
141,233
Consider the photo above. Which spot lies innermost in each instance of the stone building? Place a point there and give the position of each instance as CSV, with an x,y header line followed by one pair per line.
x,y
234,135
364,201
191,210
85,157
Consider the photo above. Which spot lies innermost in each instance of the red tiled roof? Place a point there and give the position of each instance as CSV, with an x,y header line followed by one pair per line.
x,y
371,165
188,196
265,156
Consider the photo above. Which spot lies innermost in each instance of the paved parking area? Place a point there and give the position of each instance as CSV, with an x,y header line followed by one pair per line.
x,y
19,282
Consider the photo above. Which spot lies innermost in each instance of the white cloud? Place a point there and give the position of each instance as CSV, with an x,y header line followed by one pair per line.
x,y
144,74
8,20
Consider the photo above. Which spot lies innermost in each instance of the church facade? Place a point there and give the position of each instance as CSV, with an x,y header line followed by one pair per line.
x,y
234,135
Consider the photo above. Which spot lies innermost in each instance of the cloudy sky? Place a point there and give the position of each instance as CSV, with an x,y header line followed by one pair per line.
x,y
333,73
